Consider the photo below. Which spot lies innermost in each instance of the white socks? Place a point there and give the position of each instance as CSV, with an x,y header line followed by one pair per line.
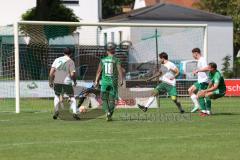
x,y
56,103
73,105
149,102
195,100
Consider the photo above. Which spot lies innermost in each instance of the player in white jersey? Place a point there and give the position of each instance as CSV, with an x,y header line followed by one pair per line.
x,y
168,74
61,76
201,84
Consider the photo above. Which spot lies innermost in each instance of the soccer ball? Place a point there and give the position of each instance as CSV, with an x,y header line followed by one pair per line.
x,y
82,109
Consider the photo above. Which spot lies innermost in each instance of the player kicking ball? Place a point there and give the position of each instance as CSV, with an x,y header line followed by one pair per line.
x,y
168,75
216,88
61,77
109,69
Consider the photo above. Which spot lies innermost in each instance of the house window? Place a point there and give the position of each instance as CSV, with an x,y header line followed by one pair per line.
x,y
70,1
105,38
120,36
112,37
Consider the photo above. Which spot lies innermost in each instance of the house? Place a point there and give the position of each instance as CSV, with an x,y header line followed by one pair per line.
x,y
219,31
146,3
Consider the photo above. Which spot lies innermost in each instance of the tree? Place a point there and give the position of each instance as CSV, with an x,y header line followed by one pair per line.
x,y
227,8
226,70
51,10
114,7
35,65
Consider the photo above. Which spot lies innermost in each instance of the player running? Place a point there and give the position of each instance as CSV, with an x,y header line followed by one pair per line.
x,y
110,68
61,76
201,84
216,88
168,75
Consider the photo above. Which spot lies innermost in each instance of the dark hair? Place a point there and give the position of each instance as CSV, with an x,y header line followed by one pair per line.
x,y
163,55
67,51
196,50
213,65
110,46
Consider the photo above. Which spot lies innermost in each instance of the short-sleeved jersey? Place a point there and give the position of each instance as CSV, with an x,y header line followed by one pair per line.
x,y
64,67
109,70
217,78
168,76
202,76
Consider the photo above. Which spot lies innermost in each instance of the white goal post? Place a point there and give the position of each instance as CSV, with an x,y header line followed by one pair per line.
x,y
100,24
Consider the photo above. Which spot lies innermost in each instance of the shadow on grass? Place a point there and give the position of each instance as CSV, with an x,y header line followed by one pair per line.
x,y
89,115
226,114
128,116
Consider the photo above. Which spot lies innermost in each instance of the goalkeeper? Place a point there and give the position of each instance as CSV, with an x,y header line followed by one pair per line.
x,y
168,75
109,69
83,96
61,76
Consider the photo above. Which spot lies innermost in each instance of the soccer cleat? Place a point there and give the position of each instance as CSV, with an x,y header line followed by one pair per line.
x,y
109,116
182,111
208,112
195,109
76,117
55,115
143,108
203,114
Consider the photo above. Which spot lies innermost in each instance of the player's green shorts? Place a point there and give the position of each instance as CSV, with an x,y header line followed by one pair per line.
x,y
200,86
166,88
217,94
63,88
109,90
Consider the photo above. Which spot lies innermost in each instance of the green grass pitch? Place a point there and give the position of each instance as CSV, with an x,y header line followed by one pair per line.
x,y
35,135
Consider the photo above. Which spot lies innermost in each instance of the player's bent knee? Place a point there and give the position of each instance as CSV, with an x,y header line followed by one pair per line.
x,y
72,100
154,93
174,98
191,90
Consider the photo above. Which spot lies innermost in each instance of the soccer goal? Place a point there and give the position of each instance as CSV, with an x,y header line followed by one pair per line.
x,y
28,48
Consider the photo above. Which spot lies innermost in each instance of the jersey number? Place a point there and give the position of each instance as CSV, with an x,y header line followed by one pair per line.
x,y
62,66
109,69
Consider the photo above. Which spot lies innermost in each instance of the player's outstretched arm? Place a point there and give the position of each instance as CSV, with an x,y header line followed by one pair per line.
x,y
204,69
51,76
99,70
158,74
74,78
175,71
120,73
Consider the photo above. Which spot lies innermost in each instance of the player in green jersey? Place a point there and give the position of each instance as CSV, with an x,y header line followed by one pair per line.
x,y
216,88
109,69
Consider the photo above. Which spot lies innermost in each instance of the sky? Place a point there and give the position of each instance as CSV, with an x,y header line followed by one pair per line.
x,y
11,10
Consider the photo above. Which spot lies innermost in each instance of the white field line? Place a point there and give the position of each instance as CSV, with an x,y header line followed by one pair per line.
x,y
144,139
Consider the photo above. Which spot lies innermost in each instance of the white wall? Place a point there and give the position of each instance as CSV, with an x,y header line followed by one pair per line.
x,y
220,42
89,10
115,30
11,10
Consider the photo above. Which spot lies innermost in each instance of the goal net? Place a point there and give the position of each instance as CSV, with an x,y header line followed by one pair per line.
x,y
26,60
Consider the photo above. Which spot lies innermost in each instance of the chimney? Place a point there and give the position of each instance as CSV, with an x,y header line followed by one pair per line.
x,y
139,4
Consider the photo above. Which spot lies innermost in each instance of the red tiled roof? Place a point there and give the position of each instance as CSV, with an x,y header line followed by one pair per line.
x,y
185,3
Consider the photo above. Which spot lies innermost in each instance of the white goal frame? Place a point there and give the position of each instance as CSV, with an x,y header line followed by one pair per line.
x,y
16,41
